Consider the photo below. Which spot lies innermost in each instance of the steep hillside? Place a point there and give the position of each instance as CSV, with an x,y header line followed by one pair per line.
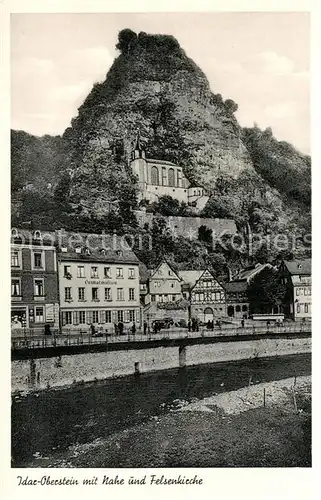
x,y
154,87
35,160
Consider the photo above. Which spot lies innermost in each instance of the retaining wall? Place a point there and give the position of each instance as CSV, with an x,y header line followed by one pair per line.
x,y
63,371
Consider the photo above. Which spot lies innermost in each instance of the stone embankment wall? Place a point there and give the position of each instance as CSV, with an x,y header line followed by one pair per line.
x,y
65,370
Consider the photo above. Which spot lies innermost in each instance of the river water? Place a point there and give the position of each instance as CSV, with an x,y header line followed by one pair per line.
x,y
54,420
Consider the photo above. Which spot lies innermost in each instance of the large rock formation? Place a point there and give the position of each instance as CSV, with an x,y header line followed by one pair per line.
x,y
155,87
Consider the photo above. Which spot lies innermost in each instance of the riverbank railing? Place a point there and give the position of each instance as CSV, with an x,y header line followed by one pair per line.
x,y
31,339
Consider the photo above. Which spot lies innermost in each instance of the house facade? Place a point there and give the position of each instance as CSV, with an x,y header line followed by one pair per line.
x,y
161,293
207,298
34,281
237,301
163,178
296,276
98,283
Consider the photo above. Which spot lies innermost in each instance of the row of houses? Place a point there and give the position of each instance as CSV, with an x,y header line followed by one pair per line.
x,y
199,294
72,280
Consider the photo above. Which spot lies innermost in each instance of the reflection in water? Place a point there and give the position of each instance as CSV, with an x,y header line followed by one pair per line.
x,y
57,419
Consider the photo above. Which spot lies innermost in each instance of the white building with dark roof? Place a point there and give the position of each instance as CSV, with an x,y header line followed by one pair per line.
x,y
98,282
158,178
296,276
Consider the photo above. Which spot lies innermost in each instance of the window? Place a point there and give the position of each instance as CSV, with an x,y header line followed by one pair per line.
x,y
171,177
39,318
15,259
67,271
172,285
15,287
164,176
68,318
201,297
94,272
80,272
81,293
119,272
108,294
68,296
131,273
108,316
38,288
179,178
37,260
132,294
298,291
298,308
306,308
82,317
120,294
107,273
153,298
131,315
94,294
120,316
95,317
174,297
155,176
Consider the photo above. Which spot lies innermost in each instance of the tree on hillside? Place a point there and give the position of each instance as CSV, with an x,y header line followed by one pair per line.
x,y
266,291
167,206
126,39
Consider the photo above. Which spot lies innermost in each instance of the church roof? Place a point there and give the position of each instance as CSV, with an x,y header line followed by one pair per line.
x,y
160,162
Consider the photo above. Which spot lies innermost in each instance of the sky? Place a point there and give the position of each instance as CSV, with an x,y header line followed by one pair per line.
x,y
260,60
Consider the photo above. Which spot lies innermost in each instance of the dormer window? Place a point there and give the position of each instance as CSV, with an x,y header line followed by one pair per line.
x,y
14,233
119,253
37,235
64,249
299,266
103,251
87,251
78,249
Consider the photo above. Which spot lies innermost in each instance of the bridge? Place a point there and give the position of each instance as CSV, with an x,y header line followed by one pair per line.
x,y
31,346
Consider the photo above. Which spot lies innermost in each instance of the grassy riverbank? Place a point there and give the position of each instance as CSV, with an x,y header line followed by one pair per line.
x,y
278,435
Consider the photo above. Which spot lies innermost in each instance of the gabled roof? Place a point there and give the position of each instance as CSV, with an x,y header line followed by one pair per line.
x,y
164,261
300,267
211,275
249,272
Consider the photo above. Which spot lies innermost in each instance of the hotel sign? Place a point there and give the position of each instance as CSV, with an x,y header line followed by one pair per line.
x,y
100,282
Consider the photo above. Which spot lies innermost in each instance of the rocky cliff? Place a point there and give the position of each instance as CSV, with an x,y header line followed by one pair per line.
x,y
154,87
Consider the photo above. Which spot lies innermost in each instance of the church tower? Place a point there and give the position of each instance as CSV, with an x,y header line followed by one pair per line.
x,y
139,164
